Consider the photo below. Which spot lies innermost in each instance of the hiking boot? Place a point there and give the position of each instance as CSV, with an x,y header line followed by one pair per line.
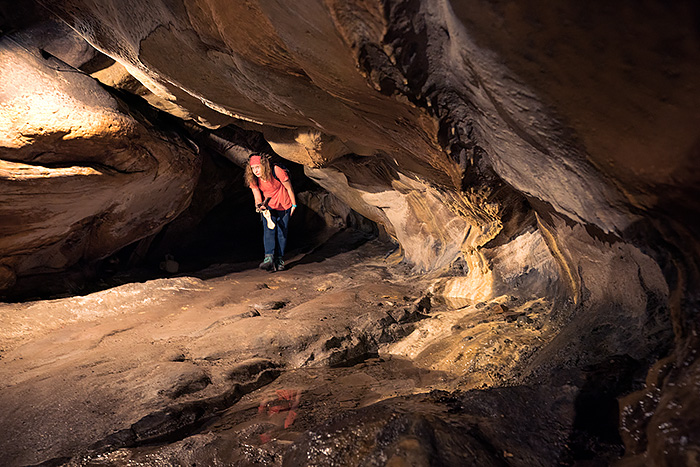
x,y
279,264
267,264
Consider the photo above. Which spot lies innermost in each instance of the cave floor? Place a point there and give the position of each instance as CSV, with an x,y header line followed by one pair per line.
x,y
234,368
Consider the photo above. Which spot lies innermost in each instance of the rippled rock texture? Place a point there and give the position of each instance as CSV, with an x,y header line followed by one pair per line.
x,y
81,177
536,151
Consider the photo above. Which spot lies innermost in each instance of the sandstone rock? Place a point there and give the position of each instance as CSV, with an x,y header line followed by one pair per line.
x,y
411,431
7,277
85,178
249,369
544,153
181,378
55,38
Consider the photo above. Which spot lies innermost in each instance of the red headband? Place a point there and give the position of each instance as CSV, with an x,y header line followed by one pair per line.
x,y
254,160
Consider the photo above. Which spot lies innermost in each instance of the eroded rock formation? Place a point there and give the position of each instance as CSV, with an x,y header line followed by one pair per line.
x,y
81,177
508,148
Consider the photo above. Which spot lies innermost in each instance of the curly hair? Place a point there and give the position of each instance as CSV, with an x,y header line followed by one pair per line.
x,y
266,171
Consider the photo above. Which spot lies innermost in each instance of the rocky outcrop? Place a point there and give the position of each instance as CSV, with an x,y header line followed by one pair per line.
x,y
409,82
546,152
80,176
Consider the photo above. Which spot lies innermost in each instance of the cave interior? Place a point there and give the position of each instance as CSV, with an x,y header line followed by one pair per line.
x,y
494,260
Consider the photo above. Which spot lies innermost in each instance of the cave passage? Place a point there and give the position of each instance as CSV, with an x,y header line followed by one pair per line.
x,y
226,239
494,260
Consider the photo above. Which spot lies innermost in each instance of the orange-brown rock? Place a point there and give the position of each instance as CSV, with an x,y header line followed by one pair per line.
x,y
548,153
80,177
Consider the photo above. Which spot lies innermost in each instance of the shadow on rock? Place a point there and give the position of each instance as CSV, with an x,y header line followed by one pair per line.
x,y
515,426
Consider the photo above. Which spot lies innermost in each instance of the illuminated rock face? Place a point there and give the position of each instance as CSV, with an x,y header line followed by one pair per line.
x,y
434,88
80,177
422,87
514,148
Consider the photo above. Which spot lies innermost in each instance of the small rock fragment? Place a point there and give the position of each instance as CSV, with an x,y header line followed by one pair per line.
x,y
246,370
250,313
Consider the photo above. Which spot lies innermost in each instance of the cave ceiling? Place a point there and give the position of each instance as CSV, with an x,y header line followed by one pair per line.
x,y
486,109
551,149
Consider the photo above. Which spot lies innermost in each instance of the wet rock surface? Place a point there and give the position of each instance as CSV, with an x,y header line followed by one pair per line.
x,y
137,363
475,428
536,168
170,378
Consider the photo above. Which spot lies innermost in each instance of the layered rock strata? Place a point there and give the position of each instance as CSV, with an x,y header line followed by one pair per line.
x,y
81,177
546,151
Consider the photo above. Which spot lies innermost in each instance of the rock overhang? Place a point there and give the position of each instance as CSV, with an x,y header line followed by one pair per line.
x,y
468,134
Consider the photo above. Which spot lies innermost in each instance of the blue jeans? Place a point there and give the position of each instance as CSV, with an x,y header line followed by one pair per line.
x,y
275,240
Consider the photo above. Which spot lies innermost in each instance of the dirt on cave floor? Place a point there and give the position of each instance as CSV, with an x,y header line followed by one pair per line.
x,y
233,368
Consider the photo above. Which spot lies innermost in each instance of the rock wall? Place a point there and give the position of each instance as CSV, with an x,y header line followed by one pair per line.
x,y
507,147
80,176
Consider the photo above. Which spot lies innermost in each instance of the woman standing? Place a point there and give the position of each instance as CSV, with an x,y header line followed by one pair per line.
x,y
274,197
